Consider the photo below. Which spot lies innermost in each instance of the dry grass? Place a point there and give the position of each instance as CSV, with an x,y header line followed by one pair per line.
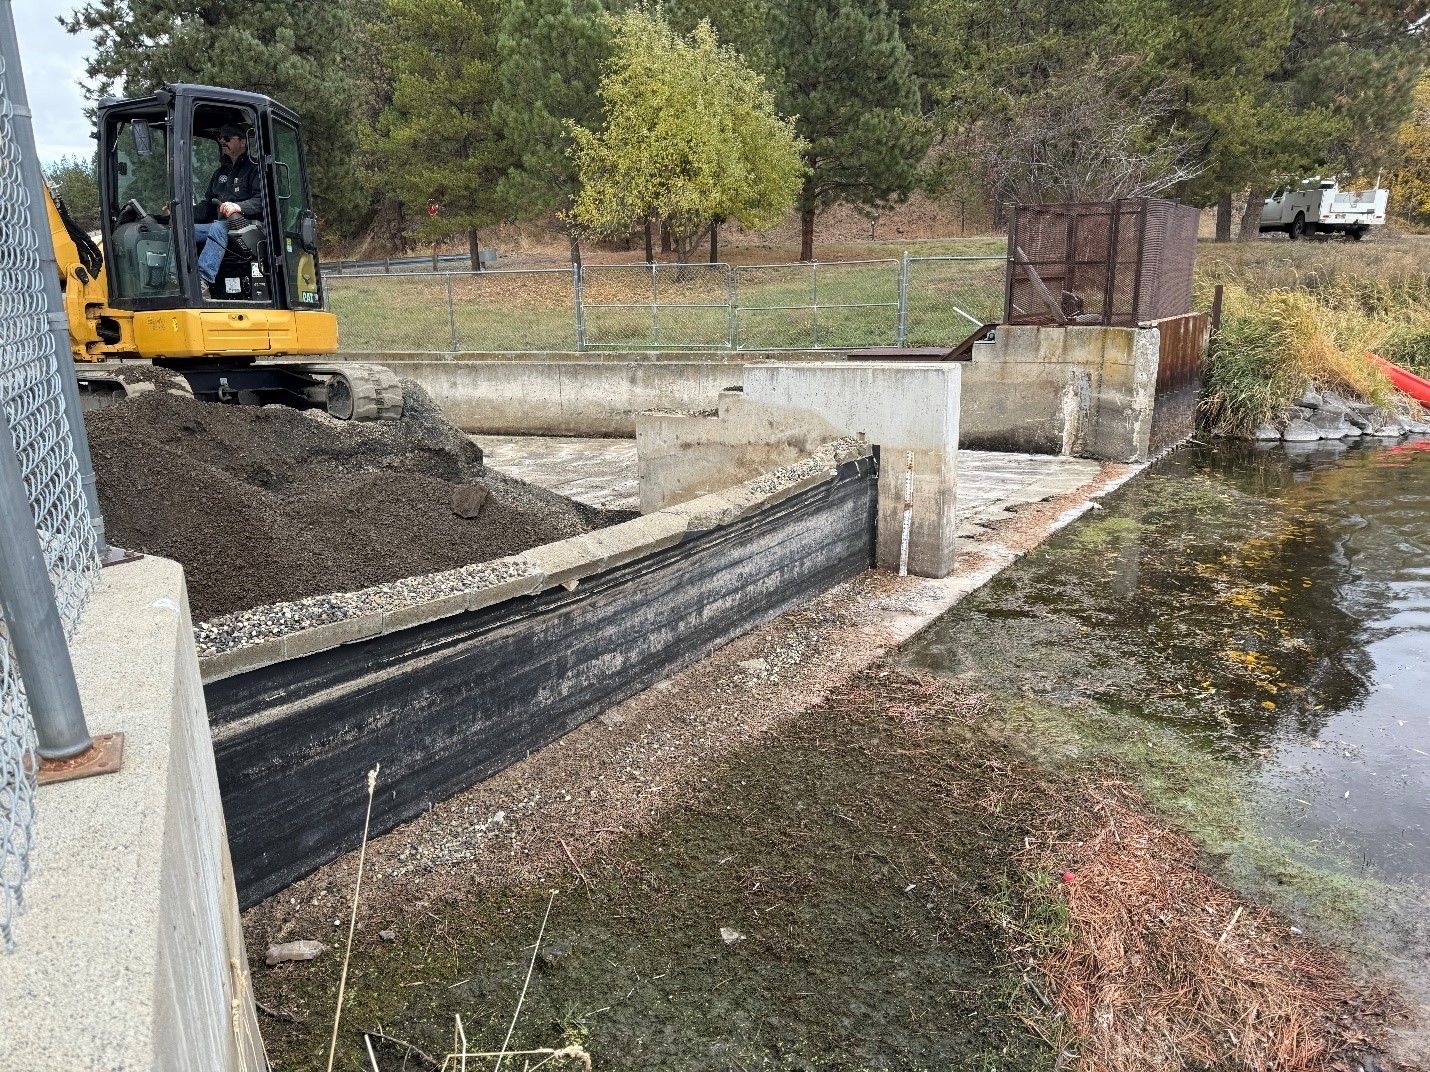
x,y
1154,965
1299,313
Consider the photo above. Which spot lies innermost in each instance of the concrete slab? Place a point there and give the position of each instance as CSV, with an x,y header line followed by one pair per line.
x,y
597,472
131,954
603,471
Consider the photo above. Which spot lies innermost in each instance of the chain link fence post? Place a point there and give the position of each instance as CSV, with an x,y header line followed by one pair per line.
x,y
814,305
903,331
731,332
580,315
32,620
451,318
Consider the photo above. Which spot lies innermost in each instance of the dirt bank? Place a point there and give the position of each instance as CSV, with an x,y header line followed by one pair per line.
x,y
264,504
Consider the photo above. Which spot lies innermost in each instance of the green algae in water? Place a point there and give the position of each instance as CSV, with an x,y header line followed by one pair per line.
x,y
850,852
1216,622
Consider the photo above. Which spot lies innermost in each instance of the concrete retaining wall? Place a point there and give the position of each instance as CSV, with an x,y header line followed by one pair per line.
x,y
131,953
1084,391
446,693
586,394
904,408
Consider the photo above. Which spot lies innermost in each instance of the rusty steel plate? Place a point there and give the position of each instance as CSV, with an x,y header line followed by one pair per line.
x,y
105,756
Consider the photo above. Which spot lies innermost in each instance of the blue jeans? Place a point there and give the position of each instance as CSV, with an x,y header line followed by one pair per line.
x,y
214,236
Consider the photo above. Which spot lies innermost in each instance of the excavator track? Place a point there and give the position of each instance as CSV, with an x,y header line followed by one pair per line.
x,y
104,385
360,392
348,392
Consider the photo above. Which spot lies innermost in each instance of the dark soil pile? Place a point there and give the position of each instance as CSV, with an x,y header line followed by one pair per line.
x,y
266,504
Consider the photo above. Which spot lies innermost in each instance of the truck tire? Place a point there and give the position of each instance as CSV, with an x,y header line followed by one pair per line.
x,y
1355,234
1298,227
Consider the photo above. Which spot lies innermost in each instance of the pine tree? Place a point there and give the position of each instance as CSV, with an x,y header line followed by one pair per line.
x,y
295,51
551,56
76,181
435,142
844,72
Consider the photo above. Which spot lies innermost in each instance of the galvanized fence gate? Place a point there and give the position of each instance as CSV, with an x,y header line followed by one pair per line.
x,y
50,533
913,301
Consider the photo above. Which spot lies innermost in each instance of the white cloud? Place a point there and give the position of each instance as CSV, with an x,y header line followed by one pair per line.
x,y
54,67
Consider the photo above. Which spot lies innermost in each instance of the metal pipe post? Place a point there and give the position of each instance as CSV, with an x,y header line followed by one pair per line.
x,y
730,297
580,314
31,617
814,305
33,181
451,316
904,300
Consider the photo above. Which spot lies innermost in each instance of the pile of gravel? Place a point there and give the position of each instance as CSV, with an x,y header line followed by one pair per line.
x,y
266,505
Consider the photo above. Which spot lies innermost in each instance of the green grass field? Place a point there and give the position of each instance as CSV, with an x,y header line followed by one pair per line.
x,y
755,307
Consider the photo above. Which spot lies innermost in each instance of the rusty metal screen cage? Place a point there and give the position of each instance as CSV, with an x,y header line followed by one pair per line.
x,y
1119,263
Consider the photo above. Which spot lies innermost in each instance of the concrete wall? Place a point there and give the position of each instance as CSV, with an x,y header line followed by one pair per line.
x,y
680,457
1084,391
901,407
131,953
586,394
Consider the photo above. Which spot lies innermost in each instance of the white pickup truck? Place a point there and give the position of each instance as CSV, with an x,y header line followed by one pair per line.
x,y
1320,205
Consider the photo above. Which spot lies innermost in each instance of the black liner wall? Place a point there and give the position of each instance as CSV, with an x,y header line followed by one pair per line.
x,y
449,703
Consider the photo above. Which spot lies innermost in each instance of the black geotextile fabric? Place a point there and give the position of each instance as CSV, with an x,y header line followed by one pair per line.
x,y
446,704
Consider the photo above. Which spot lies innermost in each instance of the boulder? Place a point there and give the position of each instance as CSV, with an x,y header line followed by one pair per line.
x,y
1310,398
1266,431
1299,431
468,500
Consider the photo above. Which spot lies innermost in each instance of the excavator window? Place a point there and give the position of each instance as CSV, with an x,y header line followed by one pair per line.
x,y
246,271
298,242
139,234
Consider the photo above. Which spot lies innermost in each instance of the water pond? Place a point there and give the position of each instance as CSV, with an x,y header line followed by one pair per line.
x,y
1249,629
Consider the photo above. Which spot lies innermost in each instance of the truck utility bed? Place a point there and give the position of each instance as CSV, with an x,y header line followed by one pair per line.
x,y
1319,205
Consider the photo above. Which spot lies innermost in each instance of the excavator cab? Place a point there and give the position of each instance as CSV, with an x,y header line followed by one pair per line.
x,y
153,290
159,164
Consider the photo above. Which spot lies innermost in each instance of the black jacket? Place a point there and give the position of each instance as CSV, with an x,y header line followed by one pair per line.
x,y
241,183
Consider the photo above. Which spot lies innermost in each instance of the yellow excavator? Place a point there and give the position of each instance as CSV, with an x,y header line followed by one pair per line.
x,y
138,296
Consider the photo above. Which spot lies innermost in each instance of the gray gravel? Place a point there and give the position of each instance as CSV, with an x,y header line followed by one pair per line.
x,y
229,632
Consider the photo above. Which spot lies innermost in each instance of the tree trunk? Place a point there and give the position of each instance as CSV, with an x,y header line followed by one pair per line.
x,y
1223,216
1251,218
575,249
474,250
715,242
649,244
806,235
434,255
683,247
664,237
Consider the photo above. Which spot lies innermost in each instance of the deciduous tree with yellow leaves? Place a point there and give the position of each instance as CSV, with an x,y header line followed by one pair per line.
x,y
691,137
1410,184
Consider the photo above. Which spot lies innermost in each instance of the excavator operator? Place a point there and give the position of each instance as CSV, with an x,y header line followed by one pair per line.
x,y
235,188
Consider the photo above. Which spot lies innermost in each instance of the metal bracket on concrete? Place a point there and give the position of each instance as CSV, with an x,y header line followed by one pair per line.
x,y
117,556
105,756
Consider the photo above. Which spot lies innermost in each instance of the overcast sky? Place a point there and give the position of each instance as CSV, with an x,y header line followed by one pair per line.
x,y
54,67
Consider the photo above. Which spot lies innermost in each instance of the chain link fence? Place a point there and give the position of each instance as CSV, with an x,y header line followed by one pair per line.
x,y
916,301
31,392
